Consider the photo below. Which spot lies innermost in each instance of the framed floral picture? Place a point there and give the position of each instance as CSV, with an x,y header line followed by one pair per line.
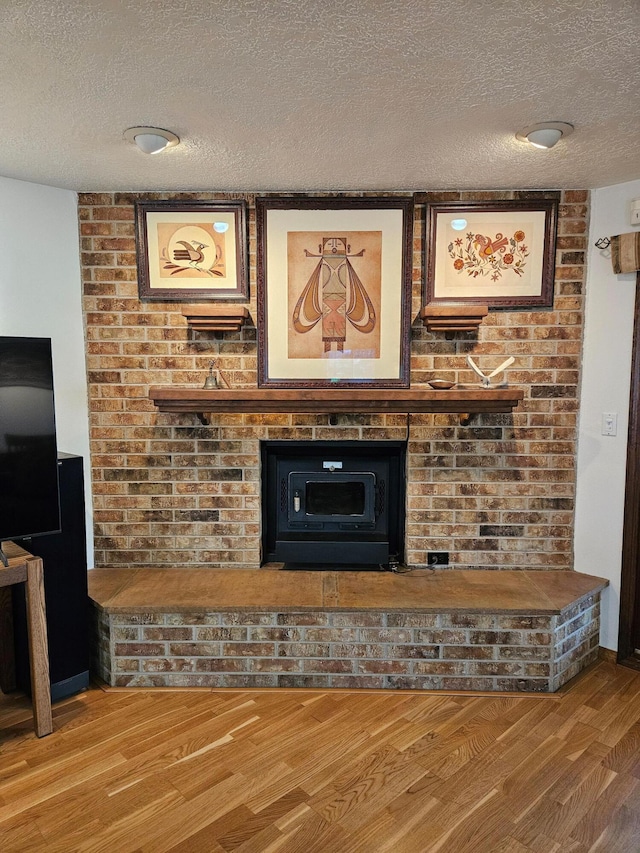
x,y
334,291
192,250
501,253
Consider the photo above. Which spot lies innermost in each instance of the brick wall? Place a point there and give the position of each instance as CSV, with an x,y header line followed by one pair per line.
x,y
167,491
423,651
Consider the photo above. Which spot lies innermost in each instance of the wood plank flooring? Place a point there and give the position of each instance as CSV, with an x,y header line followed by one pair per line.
x,y
169,771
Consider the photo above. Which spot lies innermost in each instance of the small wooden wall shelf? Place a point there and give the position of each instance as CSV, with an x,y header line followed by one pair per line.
x,y
453,318
215,318
335,400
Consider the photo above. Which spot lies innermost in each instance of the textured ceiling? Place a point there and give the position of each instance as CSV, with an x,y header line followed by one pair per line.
x,y
310,95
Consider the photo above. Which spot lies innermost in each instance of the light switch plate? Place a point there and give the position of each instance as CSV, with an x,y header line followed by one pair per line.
x,y
609,423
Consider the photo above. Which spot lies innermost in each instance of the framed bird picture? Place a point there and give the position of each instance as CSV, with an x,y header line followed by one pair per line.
x,y
499,253
192,250
334,291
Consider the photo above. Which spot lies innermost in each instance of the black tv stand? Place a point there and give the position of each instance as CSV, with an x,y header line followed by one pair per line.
x,y
65,590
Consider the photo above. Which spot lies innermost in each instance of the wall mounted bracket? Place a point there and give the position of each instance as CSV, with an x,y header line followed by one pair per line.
x,y
452,318
215,318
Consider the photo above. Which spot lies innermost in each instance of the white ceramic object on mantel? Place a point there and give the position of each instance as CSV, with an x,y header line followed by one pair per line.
x,y
486,378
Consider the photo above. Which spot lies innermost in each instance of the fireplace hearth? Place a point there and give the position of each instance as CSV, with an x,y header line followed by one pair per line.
x,y
333,504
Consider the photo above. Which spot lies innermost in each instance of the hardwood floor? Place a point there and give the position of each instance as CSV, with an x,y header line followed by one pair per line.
x,y
153,771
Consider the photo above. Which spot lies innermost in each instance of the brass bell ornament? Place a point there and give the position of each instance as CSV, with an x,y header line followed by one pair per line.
x,y
211,382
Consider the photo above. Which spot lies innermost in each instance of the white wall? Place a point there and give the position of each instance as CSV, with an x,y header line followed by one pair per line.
x,y
605,388
40,295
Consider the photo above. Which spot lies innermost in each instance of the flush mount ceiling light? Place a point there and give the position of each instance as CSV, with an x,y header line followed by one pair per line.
x,y
545,134
151,140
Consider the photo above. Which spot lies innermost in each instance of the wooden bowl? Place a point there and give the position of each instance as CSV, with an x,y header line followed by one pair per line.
x,y
441,384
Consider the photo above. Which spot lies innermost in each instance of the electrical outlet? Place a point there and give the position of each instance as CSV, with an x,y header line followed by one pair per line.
x,y
437,558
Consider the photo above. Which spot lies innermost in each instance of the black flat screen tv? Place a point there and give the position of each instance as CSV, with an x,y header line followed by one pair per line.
x,y
29,498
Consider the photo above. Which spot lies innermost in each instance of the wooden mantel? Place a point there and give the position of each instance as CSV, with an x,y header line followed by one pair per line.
x,y
335,400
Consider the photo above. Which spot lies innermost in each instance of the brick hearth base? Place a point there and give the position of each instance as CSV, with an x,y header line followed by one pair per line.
x,y
449,630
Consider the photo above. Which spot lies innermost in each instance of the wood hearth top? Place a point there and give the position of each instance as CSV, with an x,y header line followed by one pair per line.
x,y
148,590
336,400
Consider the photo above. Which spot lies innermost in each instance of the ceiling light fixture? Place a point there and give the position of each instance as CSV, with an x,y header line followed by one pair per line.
x,y
545,134
151,140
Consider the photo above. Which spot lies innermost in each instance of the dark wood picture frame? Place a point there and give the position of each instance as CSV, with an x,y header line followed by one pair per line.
x,y
502,256
294,246
213,266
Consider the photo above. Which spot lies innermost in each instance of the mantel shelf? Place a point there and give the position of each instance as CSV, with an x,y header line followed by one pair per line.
x,y
335,400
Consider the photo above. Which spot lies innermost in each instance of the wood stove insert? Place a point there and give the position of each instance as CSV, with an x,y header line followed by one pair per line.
x,y
333,504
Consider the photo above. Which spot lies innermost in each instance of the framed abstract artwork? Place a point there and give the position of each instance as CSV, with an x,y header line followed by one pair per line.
x,y
334,291
192,250
501,253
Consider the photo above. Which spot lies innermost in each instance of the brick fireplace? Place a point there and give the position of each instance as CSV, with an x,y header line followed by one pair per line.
x,y
168,491
175,498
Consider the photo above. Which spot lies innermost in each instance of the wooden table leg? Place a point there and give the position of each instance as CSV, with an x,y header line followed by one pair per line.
x,y
7,662
38,648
